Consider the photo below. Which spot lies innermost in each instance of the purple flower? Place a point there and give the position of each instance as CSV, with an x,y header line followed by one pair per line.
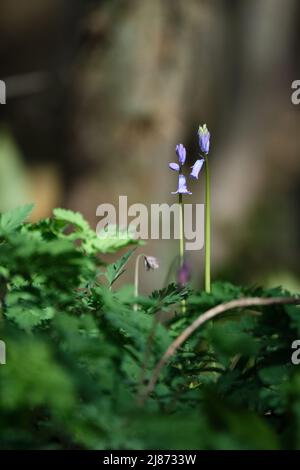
x,y
182,188
184,274
196,168
174,166
181,154
204,139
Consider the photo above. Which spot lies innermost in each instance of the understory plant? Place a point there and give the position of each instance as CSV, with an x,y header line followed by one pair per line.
x,y
85,369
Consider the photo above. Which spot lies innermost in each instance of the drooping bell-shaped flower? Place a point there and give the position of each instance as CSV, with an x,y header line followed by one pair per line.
x,y
150,262
196,168
184,274
204,138
182,187
174,166
181,154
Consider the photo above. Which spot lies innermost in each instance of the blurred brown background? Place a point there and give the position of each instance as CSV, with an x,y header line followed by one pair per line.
x,y
100,92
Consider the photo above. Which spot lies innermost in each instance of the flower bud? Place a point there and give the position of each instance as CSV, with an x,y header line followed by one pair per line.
x,y
204,139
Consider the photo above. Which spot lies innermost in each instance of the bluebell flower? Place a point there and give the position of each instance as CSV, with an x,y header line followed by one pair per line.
x,y
182,188
204,139
184,274
196,168
174,166
181,154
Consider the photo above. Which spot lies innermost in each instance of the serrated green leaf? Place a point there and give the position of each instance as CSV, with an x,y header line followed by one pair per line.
x,y
115,270
170,295
11,220
112,239
70,217
22,309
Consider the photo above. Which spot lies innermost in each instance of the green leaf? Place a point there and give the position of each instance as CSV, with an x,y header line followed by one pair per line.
x,y
112,239
170,295
229,339
21,308
274,375
11,220
73,218
115,270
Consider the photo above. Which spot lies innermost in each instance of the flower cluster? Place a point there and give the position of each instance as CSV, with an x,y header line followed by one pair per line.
x,y
181,154
204,143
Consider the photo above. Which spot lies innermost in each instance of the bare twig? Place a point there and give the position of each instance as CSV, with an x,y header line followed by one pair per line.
x,y
203,318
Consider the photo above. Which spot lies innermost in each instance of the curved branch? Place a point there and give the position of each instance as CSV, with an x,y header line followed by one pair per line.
x,y
203,318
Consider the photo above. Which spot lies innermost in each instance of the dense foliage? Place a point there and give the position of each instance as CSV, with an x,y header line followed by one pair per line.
x,y
78,354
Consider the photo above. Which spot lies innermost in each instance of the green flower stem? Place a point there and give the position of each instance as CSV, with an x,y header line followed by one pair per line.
x,y
136,279
207,228
181,228
181,243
